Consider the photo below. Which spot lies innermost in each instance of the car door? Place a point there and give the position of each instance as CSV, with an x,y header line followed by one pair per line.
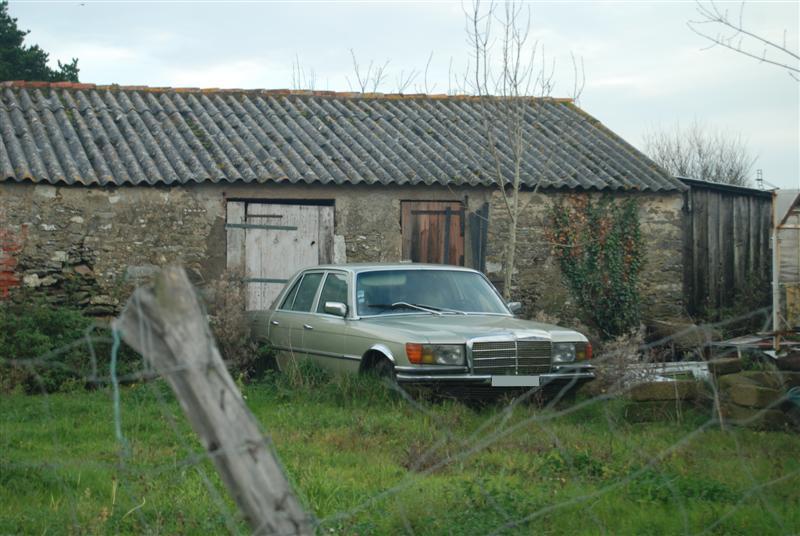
x,y
325,334
287,324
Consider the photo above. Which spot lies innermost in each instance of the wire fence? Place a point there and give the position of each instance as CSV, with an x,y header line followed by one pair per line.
x,y
367,458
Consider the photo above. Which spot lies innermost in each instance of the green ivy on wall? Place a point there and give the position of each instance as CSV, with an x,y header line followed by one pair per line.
x,y
599,247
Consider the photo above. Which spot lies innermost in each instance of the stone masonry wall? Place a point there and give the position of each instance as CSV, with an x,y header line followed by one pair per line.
x,y
90,246
538,283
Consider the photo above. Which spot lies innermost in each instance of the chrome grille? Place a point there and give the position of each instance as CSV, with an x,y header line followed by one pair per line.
x,y
511,357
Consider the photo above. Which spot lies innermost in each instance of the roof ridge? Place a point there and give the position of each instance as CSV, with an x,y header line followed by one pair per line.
x,y
25,84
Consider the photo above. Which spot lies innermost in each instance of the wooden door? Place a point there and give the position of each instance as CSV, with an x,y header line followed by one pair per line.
x,y
271,242
433,231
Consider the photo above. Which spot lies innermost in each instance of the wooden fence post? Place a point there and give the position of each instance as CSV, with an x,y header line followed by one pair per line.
x,y
167,325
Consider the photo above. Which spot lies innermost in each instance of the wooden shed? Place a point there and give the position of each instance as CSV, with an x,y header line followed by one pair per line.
x,y
726,247
786,261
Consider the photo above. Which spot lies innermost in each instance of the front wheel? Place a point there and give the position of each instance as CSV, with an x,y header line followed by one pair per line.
x,y
384,370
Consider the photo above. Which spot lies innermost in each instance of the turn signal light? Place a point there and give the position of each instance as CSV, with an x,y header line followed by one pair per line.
x,y
414,352
583,351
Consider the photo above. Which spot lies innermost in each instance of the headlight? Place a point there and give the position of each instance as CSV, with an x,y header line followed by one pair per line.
x,y
435,354
563,352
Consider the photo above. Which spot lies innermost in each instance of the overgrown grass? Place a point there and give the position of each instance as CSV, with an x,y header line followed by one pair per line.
x,y
367,461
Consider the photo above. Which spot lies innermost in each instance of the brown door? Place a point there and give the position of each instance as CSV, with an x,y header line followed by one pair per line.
x,y
433,231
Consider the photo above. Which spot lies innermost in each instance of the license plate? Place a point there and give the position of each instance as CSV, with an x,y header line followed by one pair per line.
x,y
515,381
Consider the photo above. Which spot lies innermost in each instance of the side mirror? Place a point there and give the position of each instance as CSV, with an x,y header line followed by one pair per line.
x,y
513,306
336,308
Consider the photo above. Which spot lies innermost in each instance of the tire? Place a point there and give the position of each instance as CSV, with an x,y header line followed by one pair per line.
x,y
383,369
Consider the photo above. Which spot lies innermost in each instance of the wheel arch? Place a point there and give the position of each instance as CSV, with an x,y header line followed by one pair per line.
x,y
375,353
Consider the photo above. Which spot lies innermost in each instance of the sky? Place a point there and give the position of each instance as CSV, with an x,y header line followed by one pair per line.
x,y
644,70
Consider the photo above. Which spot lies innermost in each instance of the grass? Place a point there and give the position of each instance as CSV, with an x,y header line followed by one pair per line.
x,y
365,461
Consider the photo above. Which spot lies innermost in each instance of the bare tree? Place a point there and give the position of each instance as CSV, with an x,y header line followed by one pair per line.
x,y
405,79
721,29
303,78
514,79
369,79
698,152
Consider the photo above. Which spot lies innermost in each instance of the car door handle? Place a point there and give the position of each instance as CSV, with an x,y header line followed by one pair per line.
x,y
274,322
306,326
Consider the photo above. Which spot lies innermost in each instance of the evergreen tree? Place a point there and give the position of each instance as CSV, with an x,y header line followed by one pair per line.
x,y
20,62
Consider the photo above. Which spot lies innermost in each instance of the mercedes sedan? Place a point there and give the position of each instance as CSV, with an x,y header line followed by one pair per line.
x,y
415,323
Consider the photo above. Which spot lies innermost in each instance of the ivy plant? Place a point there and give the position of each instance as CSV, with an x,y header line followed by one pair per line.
x,y
599,246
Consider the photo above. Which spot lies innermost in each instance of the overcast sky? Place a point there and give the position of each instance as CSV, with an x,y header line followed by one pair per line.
x,y
644,69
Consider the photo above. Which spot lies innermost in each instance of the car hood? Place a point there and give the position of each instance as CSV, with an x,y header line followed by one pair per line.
x,y
457,328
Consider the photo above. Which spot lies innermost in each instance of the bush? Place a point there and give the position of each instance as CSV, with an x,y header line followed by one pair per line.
x,y
44,348
232,330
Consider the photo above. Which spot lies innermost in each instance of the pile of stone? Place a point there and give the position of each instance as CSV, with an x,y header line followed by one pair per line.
x,y
767,399
664,400
760,399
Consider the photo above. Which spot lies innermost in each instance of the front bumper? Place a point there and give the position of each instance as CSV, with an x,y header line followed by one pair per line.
x,y
461,376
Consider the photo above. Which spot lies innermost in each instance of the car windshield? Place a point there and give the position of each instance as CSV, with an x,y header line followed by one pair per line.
x,y
425,292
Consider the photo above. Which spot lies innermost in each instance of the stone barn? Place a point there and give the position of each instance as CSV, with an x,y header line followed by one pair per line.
x,y
101,185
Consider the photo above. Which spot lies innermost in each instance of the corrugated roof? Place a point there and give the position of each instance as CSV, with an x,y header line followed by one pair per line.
x,y
724,187
785,202
66,133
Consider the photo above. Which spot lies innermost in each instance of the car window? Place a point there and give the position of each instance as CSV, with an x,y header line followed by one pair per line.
x,y
306,292
334,290
289,299
386,291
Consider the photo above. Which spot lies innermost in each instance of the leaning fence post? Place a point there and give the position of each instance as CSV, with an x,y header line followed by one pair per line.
x,y
166,324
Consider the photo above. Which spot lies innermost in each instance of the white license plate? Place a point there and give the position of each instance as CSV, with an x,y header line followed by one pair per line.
x,y
515,381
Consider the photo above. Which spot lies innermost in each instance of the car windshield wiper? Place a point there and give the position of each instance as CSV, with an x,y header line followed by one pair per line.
x,y
407,305
443,309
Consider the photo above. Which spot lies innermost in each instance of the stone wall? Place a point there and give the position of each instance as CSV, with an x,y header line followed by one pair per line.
x,y
538,283
90,246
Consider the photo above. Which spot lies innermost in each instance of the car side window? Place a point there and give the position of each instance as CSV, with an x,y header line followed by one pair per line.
x,y
289,299
334,290
306,292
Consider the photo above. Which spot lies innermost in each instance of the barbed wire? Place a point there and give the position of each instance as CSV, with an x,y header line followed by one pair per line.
x,y
450,448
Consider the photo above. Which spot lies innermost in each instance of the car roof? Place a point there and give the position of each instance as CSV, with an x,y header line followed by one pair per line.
x,y
369,267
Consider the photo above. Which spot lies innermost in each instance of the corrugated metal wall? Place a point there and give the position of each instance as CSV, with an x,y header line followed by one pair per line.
x,y
727,252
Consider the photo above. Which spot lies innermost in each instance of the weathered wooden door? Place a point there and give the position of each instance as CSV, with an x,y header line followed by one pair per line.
x,y
271,242
433,231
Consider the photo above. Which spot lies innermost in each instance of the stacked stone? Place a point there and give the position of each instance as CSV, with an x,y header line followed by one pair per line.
x,y
758,399
664,400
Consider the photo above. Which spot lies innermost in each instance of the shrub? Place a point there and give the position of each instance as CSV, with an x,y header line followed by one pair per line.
x,y
44,348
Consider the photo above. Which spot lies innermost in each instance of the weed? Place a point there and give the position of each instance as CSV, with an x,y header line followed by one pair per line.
x,y
231,328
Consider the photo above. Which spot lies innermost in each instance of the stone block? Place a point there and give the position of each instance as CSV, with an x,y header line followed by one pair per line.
x,y
790,379
753,396
672,390
789,362
760,378
31,280
764,378
723,366
656,410
83,270
48,281
760,419
102,300
100,310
